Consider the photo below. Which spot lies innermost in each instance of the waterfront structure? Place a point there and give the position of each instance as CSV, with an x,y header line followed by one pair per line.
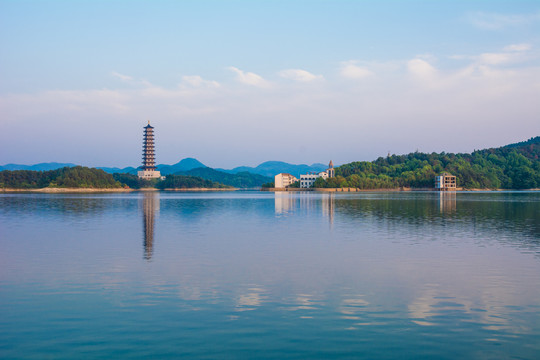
x,y
284,180
445,181
307,180
148,168
330,169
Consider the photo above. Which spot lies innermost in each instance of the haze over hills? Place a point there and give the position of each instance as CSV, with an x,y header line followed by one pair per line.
x,y
183,165
36,167
272,168
267,169
240,180
241,177
514,166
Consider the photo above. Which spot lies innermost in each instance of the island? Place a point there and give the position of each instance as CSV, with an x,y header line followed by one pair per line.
x,y
84,179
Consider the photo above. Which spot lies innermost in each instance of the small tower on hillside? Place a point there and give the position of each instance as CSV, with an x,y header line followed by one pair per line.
x,y
330,169
148,168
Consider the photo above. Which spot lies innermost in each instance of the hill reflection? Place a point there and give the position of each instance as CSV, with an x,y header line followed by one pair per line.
x,y
508,217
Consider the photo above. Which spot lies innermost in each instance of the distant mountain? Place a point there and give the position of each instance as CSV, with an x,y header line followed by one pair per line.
x,y
267,169
115,170
36,167
183,165
272,168
239,180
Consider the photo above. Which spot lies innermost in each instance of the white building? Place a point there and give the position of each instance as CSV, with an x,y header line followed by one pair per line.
x,y
149,174
307,180
283,180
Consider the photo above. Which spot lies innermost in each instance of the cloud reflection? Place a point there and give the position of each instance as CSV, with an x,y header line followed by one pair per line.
x,y
251,299
352,306
436,305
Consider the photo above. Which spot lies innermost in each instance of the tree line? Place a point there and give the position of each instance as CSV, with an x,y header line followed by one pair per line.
x,y
514,166
67,177
187,182
84,177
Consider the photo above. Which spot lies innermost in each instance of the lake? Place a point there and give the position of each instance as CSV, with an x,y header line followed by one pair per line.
x,y
258,275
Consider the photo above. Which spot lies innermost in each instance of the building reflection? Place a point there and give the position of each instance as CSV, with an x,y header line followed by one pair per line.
x,y
150,205
284,202
327,206
447,201
288,202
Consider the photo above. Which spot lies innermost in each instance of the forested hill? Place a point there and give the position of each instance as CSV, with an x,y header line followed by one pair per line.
x,y
239,180
67,177
83,177
515,166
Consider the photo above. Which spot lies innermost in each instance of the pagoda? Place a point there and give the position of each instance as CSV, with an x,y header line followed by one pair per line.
x,y
148,168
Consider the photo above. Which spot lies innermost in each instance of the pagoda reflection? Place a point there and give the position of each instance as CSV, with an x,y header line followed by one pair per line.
x,y
150,207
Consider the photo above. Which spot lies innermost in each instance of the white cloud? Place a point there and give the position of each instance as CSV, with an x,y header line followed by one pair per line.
x,y
122,77
248,78
514,53
518,47
299,75
494,58
483,93
197,81
351,71
493,21
421,69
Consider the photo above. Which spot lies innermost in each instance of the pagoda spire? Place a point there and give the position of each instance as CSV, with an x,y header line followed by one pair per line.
x,y
148,168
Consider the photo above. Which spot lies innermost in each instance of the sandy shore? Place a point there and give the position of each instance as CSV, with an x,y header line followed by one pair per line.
x,y
201,189
380,190
339,189
113,190
69,190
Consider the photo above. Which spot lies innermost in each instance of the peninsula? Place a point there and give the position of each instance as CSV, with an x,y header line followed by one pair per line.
x,y
511,167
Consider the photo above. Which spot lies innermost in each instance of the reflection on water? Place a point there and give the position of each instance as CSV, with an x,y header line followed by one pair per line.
x,y
327,204
150,207
283,202
286,203
262,275
447,201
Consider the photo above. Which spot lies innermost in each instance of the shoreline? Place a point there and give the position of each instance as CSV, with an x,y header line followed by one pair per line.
x,y
344,190
386,190
68,190
198,189
104,190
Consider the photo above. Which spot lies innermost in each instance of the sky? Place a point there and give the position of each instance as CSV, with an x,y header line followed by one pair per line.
x,y
236,83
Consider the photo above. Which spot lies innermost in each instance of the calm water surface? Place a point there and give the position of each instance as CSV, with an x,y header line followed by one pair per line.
x,y
260,275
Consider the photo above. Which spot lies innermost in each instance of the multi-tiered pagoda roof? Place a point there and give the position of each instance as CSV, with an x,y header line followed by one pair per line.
x,y
148,155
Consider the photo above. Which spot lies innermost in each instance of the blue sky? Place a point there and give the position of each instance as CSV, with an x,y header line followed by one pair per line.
x,y
241,82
